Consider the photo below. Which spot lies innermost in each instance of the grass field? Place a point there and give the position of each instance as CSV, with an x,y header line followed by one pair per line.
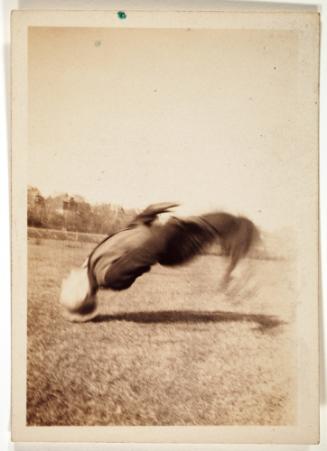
x,y
174,349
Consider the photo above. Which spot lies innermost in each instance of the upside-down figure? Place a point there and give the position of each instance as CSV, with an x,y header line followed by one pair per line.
x,y
121,258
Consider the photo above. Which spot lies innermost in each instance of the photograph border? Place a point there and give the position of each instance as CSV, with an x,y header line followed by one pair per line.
x,y
307,427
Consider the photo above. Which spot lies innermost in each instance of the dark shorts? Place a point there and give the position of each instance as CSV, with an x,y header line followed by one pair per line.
x,y
123,272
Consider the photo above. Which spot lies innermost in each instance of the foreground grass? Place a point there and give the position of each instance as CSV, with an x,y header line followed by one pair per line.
x,y
172,350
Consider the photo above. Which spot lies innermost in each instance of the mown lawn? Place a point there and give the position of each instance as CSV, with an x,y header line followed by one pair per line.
x,y
174,349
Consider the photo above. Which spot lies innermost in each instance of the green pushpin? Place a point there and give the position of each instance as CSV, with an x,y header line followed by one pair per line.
x,y
121,15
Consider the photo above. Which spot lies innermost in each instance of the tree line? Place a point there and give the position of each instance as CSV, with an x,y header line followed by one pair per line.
x,y
73,213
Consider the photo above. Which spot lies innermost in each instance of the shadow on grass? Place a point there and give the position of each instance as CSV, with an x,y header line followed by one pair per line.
x,y
193,316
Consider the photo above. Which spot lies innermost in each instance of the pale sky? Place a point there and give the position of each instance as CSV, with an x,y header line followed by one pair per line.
x,y
204,117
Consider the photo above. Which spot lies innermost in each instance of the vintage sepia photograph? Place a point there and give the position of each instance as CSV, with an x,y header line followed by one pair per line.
x,y
170,225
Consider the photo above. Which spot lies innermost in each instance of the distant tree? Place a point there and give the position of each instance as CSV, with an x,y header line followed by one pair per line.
x,y
83,217
55,220
36,208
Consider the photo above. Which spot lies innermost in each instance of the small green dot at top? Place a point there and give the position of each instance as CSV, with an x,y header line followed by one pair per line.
x,y
121,15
